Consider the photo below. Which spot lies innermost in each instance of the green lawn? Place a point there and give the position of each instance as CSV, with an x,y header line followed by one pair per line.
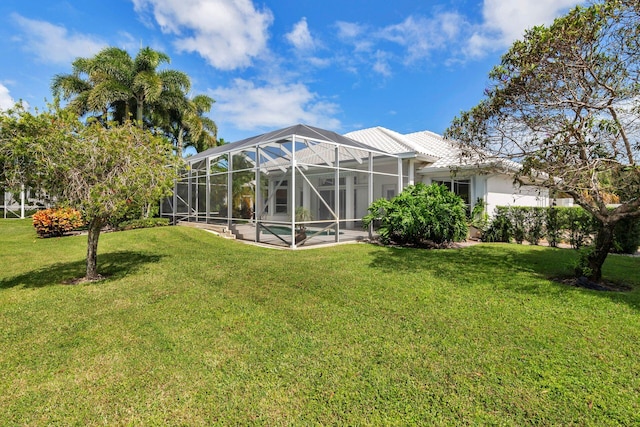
x,y
191,329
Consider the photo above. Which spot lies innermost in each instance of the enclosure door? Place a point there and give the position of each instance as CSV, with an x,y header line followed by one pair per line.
x,y
329,197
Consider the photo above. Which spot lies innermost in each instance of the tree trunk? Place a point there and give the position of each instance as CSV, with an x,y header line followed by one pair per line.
x,y
180,142
595,260
139,112
147,210
92,249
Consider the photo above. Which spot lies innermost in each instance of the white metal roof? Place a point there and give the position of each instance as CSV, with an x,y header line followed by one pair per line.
x,y
391,142
447,152
439,152
299,130
427,146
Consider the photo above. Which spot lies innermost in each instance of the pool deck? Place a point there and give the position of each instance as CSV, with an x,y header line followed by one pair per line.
x,y
247,233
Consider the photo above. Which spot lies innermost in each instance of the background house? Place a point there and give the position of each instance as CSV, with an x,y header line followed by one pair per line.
x,y
21,203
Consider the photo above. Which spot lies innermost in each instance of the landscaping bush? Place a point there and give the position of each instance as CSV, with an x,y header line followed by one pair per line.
x,y
479,218
500,229
626,236
581,226
56,222
525,223
518,217
535,224
131,212
553,226
418,215
572,224
143,223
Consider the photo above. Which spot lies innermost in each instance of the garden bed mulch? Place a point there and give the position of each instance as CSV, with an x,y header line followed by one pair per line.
x,y
603,285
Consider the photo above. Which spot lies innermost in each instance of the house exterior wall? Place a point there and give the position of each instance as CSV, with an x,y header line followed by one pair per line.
x,y
495,190
501,191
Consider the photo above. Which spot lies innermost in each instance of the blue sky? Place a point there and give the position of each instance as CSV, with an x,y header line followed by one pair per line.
x,y
340,65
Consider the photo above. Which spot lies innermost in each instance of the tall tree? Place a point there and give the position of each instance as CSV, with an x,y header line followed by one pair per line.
x,y
96,169
117,87
564,102
201,131
183,121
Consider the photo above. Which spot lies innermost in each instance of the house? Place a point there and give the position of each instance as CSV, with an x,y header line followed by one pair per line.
x,y
441,161
19,204
304,185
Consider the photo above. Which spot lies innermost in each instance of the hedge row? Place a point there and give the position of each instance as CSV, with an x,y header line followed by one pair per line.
x,y
143,223
557,224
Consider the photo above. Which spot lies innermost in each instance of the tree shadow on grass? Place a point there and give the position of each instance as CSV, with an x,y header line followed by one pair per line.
x,y
504,267
113,265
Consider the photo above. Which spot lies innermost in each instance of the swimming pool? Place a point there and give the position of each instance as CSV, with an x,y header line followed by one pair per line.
x,y
282,230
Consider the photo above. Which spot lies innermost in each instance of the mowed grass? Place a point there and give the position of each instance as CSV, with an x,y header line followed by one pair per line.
x,y
191,329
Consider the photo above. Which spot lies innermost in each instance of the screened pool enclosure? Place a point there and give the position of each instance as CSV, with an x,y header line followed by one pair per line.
x,y
291,187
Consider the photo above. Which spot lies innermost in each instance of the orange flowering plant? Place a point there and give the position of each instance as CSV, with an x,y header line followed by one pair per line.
x,y
57,222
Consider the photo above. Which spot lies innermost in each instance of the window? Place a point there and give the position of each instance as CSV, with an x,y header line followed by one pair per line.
x,y
389,191
281,197
330,181
460,187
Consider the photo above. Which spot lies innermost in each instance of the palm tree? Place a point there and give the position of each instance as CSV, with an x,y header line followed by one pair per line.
x,y
202,131
113,83
183,121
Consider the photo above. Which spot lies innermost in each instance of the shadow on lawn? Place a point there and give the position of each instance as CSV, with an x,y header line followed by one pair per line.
x,y
112,265
503,266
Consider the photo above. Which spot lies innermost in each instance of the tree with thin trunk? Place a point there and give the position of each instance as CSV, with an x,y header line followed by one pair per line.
x,y
97,170
564,102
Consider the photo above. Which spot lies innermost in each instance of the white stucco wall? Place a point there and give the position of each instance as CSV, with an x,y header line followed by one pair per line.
x,y
501,191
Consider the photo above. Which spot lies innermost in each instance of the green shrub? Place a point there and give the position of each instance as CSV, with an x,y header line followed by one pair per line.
x,y
581,264
581,226
143,223
626,236
500,228
131,212
535,229
479,218
553,226
420,214
56,222
518,217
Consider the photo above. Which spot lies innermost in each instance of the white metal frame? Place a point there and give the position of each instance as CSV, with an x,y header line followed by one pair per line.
x,y
261,165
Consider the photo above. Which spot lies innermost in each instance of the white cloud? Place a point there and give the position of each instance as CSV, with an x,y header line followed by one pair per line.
x,y
305,45
381,64
229,34
506,21
512,18
349,30
354,34
300,37
479,44
446,32
53,43
414,39
251,107
6,101
420,36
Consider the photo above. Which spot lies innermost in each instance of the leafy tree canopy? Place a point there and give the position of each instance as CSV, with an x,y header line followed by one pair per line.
x,y
95,169
113,86
564,101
